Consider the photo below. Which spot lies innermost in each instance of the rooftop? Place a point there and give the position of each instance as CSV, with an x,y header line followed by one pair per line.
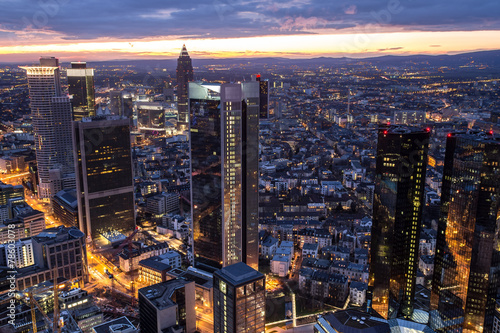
x,y
239,273
351,321
105,327
160,294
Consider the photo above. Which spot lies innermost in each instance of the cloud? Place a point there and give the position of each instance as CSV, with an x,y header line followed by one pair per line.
x,y
131,19
391,49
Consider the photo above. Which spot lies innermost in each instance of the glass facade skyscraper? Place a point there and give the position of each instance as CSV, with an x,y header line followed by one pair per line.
x,y
466,276
263,96
81,88
105,188
184,75
397,211
224,161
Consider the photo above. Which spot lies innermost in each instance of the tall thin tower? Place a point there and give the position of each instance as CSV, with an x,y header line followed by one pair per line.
x,y
397,213
224,178
467,267
184,75
51,112
81,88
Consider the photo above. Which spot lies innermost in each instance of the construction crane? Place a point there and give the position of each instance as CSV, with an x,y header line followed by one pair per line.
x,y
54,324
127,241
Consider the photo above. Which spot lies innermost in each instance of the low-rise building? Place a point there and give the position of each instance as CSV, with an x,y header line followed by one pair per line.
x,y
426,265
280,265
268,247
129,260
310,250
357,292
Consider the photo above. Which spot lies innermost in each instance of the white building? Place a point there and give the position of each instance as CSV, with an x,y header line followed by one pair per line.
x,y
52,121
22,251
268,247
357,293
280,265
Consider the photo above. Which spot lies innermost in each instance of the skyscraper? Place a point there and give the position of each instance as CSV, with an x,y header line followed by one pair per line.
x,y
263,96
397,211
81,88
224,164
467,266
51,112
184,75
103,162
239,299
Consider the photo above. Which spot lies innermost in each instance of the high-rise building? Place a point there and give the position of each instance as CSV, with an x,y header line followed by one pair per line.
x,y
397,211
224,165
81,88
184,75
121,103
466,275
168,305
239,299
151,117
105,190
263,96
51,112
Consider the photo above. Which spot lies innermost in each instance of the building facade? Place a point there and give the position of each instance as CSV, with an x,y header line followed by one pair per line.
x,y
224,172
397,211
239,299
81,89
105,190
467,259
184,75
51,112
170,304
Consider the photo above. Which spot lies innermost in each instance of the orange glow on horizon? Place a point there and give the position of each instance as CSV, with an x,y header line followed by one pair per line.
x,y
289,46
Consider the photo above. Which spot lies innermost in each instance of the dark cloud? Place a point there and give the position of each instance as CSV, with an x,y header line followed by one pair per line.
x,y
233,18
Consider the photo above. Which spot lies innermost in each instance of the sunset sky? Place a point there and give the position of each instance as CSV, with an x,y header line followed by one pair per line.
x,y
125,29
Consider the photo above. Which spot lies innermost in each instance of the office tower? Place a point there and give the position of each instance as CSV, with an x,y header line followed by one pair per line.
x,y
121,103
8,192
224,165
184,75
151,117
397,211
105,190
239,299
467,265
51,112
263,96
61,250
169,304
81,88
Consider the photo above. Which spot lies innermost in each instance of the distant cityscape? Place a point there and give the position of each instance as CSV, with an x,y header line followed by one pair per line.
x,y
251,195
